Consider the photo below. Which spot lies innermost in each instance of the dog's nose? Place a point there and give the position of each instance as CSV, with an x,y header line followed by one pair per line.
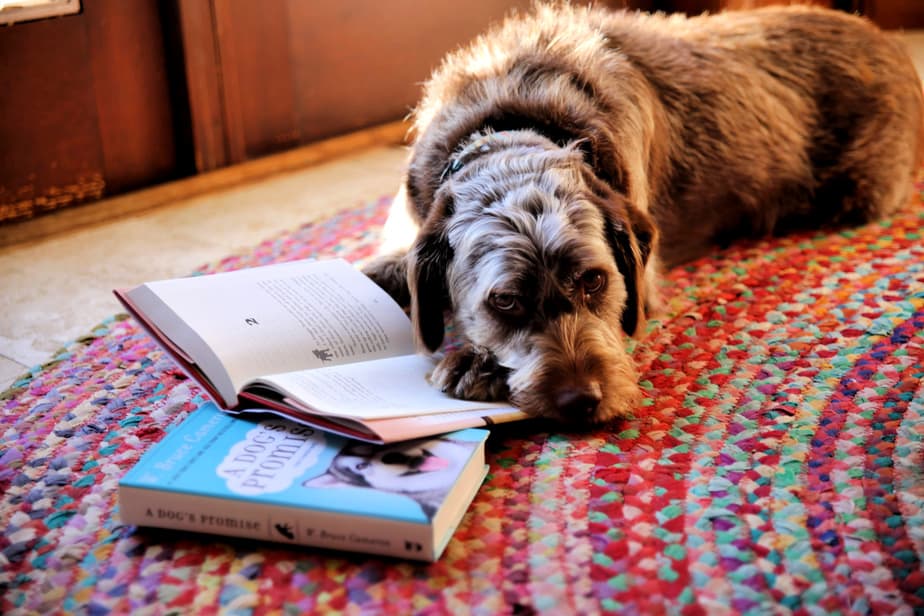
x,y
579,403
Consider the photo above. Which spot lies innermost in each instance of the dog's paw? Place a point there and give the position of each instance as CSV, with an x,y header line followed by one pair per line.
x,y
471,374
390,272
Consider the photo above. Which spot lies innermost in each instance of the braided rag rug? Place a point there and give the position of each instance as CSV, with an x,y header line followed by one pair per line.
x,y
777,465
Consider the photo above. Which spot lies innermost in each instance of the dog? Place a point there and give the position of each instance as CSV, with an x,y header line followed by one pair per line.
x,y
563,159
423,470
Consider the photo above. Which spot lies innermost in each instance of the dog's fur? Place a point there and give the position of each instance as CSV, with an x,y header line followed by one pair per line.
x,y
562,158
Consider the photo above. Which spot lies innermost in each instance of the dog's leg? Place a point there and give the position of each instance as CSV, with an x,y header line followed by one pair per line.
x,y
872,143
389,268
873,176
390,273
471,374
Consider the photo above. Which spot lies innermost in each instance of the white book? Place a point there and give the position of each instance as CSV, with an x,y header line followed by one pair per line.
x,y
315,341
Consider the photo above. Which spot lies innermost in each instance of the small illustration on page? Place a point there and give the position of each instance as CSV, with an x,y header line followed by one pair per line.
x,y
323,354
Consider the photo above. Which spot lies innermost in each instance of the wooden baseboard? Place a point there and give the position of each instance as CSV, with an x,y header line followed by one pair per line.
x,y
132,203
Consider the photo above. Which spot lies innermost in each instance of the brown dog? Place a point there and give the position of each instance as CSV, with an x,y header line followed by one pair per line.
x,y
564,157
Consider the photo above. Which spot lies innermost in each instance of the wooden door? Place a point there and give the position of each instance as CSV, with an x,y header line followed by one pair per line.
x,y
266,76
86,107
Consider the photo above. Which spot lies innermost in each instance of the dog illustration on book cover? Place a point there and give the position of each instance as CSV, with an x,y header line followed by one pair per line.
x,y
423,470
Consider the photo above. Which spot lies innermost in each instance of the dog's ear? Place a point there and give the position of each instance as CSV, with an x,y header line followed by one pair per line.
x,y
632,242
631,234
427,262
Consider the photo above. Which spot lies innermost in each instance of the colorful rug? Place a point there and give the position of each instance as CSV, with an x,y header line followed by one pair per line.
x,y
776,466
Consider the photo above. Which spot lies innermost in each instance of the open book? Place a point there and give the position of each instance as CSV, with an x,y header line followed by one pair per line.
x,y
315,341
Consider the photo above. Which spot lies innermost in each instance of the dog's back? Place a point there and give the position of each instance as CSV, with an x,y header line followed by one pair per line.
x,y
742,123
784,118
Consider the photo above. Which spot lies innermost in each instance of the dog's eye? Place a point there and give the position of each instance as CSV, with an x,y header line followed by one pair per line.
x,y
506,302
592,282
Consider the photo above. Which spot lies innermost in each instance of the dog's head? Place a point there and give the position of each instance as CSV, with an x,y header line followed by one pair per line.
x,y
543,266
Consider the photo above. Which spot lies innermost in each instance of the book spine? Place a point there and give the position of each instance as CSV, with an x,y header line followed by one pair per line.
x,y
265,521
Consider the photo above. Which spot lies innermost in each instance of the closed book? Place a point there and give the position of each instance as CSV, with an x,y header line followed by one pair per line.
x,y
268,478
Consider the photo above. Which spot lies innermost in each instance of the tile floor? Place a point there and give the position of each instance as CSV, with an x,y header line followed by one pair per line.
x,y
56,290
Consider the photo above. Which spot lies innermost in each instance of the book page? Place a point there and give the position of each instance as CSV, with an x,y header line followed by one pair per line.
x,y
285,317
392,387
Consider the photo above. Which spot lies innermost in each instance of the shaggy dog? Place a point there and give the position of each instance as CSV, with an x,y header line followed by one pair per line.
x,y
564,157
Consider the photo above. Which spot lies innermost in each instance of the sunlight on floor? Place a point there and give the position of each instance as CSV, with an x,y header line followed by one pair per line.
x,y
58,289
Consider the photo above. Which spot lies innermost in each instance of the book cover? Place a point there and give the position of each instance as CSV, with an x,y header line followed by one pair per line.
x,y
272,479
